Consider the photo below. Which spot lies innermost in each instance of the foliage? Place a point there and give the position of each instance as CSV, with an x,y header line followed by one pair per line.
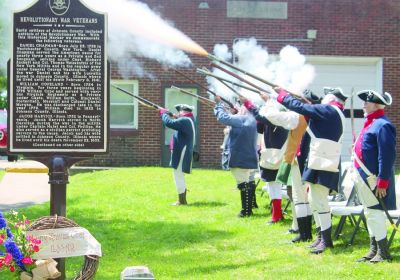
x,y
128,211
3,82
16,248
3,92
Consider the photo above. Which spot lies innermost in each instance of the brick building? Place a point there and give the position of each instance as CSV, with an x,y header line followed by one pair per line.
x,y
352,44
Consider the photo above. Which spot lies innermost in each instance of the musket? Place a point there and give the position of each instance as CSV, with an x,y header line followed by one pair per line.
x,y
214,58
202,99
205,88
238,77
142,100
352,115
207,72
231,88
383,205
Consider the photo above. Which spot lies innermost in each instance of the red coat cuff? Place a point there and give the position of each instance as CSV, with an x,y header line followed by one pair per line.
x,y
162,111
282,95
382,183
248,104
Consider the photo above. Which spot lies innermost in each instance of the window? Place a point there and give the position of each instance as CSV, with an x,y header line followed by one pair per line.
x,y
124,108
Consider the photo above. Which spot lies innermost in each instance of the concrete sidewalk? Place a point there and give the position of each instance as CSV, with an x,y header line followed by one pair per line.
x,y
25,183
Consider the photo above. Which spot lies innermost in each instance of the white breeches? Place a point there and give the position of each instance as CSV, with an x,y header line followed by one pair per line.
x,y
274,190
376,223
243,175
367,198
376,219
300,196
179,176
318,198
252,175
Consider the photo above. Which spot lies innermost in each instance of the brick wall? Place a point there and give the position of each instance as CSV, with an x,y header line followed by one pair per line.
x,y
345,28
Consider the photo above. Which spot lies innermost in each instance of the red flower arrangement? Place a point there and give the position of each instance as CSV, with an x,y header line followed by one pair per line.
x,y
16,248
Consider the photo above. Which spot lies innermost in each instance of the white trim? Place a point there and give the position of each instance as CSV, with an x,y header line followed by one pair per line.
x,y
379,78
380,96
351,60
134,104
343,60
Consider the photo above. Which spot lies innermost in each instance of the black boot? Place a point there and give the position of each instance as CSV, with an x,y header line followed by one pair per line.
x,y
245,198
253,187
382,253
303,234
317,240
308,227
326,242
184,198
181,199
373,248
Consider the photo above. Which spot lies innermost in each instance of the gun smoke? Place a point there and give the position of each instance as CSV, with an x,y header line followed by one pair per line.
x,y
288,70
134,31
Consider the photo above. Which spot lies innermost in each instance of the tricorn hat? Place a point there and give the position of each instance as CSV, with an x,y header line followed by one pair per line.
x,y
311,96
184,107
375,97
338,92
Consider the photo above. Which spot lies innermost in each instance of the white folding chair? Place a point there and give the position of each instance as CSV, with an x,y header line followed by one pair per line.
x,y
348,208
395,214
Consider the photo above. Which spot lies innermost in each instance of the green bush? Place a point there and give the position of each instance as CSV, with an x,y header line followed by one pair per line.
x,y
3,92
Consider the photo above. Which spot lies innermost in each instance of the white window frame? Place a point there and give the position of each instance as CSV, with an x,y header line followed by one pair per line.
x,y
135,85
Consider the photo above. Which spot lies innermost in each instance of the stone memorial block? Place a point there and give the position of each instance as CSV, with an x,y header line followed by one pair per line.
x,y
137,273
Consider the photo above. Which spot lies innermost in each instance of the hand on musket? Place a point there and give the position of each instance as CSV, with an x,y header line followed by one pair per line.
x,y
380,192
231,109
242,99
264,96
162,110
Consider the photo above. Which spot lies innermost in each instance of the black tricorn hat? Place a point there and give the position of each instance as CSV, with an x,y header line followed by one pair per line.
x,y
311,96
184,107
338,92
375,97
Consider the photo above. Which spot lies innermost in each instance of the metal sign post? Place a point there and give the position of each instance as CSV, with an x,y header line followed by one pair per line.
x,y
58,89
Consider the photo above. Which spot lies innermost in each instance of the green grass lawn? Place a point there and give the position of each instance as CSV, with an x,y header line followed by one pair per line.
x,y
128,211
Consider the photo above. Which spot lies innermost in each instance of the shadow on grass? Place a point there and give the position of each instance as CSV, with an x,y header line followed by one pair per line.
x,y
125,234
214,268
73,171
206,204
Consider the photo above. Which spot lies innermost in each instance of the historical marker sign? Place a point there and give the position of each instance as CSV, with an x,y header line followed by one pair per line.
x,y
59,87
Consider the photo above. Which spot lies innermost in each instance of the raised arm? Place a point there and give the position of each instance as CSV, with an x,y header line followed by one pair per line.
x,y
176,124
314,111
225,118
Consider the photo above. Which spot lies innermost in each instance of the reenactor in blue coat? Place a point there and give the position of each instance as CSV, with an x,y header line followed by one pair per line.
x,y
183,143
274,138
374,157
243,157
326,125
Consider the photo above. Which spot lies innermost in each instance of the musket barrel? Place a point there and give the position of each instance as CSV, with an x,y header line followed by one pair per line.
x,y
212,57
207,89
200,98
208,73
193,81
238,77
141,99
